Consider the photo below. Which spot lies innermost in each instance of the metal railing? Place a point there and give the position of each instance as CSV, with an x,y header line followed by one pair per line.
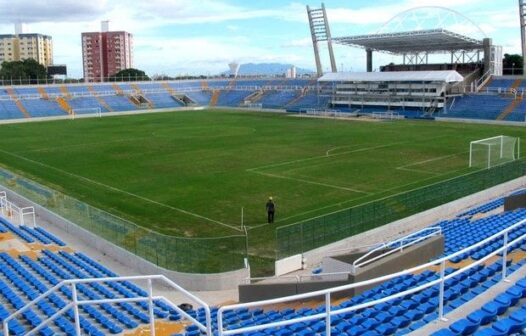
x,y
397,245
327,293
176,90
75,303
15,213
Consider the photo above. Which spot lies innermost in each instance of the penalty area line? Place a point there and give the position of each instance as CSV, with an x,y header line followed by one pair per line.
x,y
120,190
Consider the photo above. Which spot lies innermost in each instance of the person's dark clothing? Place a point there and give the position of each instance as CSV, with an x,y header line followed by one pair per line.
x,y
270,211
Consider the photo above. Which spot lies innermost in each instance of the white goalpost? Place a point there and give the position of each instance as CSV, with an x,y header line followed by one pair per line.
x,y
96,111
491,152
390,115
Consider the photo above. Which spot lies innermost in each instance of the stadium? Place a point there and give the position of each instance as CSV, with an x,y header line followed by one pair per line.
x,y
137,207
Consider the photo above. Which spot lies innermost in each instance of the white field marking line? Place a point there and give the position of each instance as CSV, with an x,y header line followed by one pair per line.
x,y
321,157
328,152
438,158
354,199
310,182
120,190
430,160
417,171
84,144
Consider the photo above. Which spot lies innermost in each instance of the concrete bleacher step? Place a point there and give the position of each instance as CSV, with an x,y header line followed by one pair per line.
x,y
297,98
169,89
215,97
11,92
43,93
517,83
64,105
510,108
100,99
117,89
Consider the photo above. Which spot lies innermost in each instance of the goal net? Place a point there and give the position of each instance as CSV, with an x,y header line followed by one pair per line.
x,y
86,111
491,152
385,115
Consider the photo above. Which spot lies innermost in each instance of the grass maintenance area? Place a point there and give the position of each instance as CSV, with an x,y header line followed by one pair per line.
x,y
191,173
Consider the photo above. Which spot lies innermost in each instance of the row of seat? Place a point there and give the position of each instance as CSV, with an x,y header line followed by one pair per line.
x,y
502,315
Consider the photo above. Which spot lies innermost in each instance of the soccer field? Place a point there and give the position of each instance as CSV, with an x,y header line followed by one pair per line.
x,y
190,173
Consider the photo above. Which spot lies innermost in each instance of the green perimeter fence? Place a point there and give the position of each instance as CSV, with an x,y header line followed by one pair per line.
x,y
310,234
189,255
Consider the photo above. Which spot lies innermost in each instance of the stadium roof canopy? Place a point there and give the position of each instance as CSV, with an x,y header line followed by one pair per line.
x,y
411,42
448,76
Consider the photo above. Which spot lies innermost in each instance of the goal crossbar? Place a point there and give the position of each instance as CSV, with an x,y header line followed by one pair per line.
x,y
493,151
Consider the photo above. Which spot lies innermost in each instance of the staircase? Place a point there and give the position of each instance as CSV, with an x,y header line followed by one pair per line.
x,y
101,100
64,105
137,89
43,93
254,97
168,88
18,103
516,84
204,85
134,101
231,84
142,98
65,91
117,89
215,97
302,94
510,108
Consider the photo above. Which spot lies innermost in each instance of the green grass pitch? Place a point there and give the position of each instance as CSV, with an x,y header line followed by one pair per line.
x,y
190,173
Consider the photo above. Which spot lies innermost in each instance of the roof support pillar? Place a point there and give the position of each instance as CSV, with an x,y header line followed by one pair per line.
x,y
320,32
486,45
522,13
369,53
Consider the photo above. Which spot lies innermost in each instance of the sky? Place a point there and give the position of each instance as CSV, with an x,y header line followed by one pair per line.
x,y
175,37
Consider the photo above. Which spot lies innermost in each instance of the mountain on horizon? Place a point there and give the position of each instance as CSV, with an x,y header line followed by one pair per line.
x,y
267,69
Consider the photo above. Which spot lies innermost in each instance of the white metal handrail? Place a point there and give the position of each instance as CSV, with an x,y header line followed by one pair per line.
x,y
75,302
10,210
397,245
328,292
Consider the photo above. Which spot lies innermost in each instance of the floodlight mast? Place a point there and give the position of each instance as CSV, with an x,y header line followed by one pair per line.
x,y
320,32
522,12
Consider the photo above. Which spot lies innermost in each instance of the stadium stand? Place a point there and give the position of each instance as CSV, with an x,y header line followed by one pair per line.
x,y
45,260
500,99
502,315
488,106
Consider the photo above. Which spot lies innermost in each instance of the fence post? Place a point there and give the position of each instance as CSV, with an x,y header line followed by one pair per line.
x,y
505,256
441,291
328,314
75,308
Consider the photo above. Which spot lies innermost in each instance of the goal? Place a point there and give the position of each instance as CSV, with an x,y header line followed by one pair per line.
x,y
491,152
96,111
389,115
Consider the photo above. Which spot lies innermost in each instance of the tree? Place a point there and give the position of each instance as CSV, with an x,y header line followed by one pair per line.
x,y
128,75
512,62
27,71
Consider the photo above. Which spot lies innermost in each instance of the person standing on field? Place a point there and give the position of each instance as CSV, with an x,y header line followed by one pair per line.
x,y
271,208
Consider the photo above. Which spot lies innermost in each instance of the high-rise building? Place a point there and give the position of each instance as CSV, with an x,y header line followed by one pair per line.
x,y
105,53
20,46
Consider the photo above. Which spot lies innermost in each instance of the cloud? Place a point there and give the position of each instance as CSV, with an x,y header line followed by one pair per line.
x,y
171,36
298,43
30,11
